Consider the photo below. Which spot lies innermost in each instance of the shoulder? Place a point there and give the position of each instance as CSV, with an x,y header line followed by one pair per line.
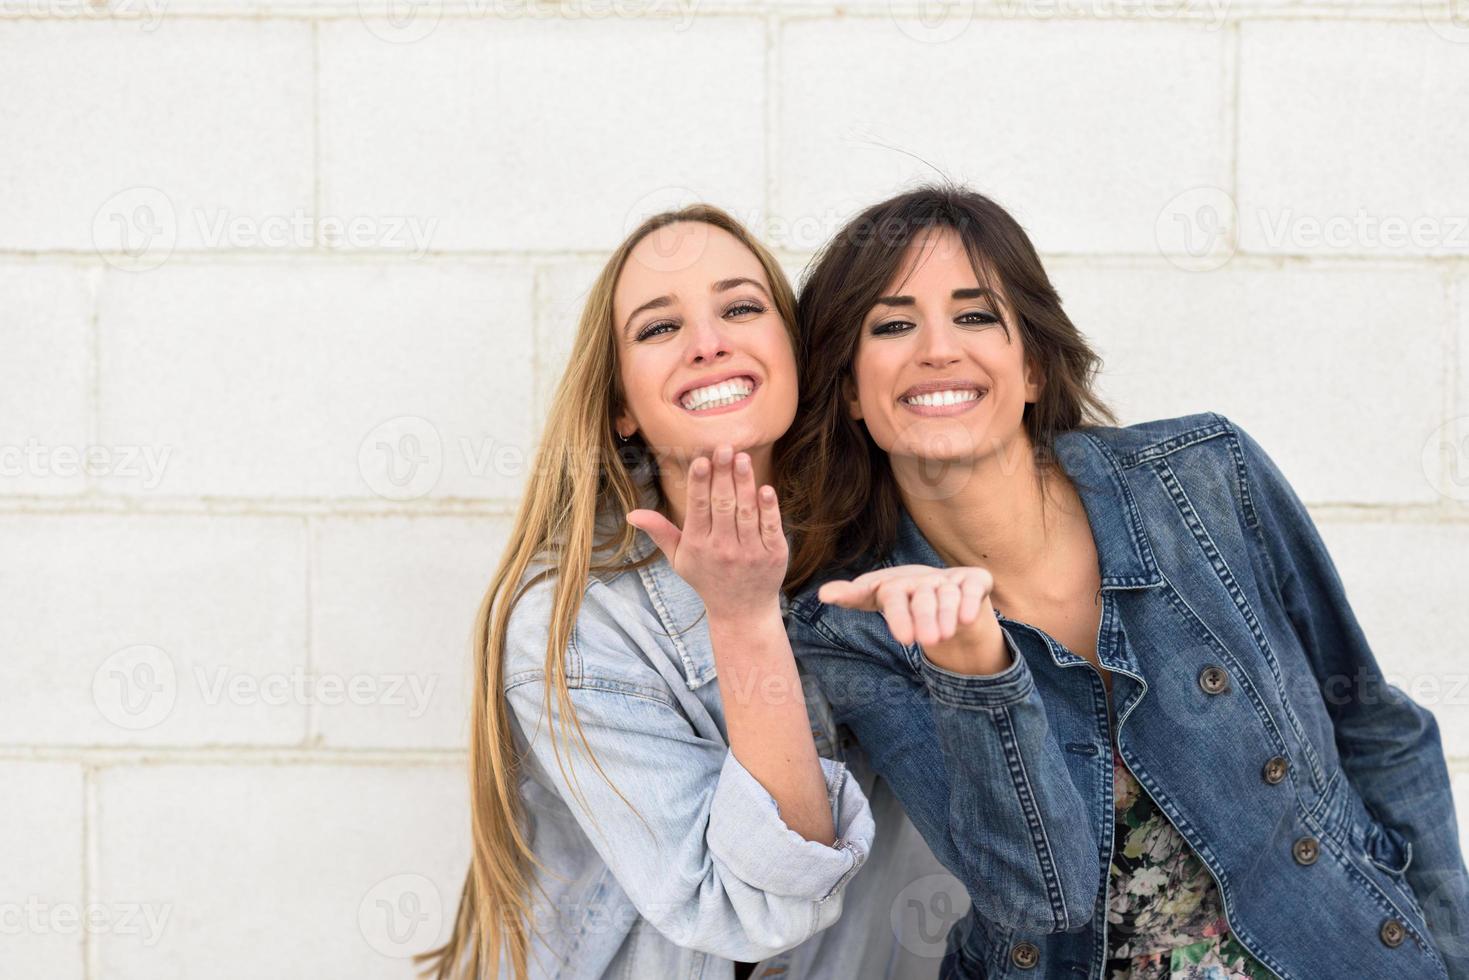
x,y
1135,445
1206,462
603,648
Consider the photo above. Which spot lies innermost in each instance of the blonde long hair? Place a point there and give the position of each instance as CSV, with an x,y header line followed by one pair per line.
x,y
580,472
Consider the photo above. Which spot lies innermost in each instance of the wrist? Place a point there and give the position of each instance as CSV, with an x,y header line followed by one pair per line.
x,y
978,651
744,617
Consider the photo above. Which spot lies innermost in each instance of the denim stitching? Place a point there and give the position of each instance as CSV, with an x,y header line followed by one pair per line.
x,y
1247,683
1023,791
1236,594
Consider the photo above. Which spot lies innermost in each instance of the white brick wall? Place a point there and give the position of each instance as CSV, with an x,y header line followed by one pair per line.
x,y
295,279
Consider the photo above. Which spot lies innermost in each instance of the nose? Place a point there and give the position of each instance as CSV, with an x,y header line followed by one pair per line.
x,y
936,346
707,343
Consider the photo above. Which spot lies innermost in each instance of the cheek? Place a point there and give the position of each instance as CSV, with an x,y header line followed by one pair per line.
x,y
873,378
641,383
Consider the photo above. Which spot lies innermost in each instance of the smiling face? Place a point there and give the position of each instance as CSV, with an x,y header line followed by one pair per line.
x,y
703,355
939,370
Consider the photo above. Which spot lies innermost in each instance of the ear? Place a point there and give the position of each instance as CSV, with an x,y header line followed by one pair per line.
x,y
849,395
1035,380
625,425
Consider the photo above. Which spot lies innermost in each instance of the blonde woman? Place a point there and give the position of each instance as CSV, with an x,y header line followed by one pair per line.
x,y
648,798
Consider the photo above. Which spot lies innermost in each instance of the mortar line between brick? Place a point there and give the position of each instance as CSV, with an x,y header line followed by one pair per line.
x,y
538,296
316,193
313,719
772,36
90,862
1234,64
93,280
1345,13
1455,288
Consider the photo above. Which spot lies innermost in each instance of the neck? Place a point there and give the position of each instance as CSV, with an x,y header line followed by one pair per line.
x,y
674,477
989,512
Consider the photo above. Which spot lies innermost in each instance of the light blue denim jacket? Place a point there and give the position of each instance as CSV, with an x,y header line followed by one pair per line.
x,y
714,875
1248,703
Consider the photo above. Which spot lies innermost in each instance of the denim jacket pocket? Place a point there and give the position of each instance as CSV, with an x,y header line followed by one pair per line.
x,y
1387,848
1391,853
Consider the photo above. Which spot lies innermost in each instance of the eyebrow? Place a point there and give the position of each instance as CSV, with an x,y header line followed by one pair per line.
x,y
721,286
972,292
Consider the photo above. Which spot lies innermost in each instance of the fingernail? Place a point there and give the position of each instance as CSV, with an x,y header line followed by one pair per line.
x,y
742,463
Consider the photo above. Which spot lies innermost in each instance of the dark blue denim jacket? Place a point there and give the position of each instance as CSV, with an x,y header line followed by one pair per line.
x,y
1233,647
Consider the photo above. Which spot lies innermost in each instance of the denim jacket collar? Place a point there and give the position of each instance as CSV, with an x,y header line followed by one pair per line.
x,y
679,608
1124,553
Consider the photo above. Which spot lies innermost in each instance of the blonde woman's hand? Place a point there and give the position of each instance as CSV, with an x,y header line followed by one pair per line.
x,y
732,547
946,611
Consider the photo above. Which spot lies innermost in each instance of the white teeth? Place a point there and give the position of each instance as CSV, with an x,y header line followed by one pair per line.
x,y
718,395
947,396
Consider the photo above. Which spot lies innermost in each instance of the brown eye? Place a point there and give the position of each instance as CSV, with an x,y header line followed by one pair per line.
x,y
979,317
890,327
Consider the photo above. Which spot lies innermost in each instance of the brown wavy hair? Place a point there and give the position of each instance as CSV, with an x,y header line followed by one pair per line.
x,y
842,504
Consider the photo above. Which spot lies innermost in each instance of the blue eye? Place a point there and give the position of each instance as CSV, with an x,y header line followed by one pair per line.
x,y
743,308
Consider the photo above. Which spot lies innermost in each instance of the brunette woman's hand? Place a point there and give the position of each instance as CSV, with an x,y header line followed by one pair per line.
x,y
946,611
732,547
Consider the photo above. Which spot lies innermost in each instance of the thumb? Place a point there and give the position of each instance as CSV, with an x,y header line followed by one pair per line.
x,y
841,592
665,533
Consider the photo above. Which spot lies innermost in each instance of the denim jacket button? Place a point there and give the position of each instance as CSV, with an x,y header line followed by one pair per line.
x,y
1214,680
1306,850
1392,933
1025,956
1274,770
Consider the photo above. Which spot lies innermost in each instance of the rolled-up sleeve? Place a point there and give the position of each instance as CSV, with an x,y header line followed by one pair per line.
x,y
749,838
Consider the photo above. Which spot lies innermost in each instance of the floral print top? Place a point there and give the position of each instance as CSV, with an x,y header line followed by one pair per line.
x,y
1165,920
